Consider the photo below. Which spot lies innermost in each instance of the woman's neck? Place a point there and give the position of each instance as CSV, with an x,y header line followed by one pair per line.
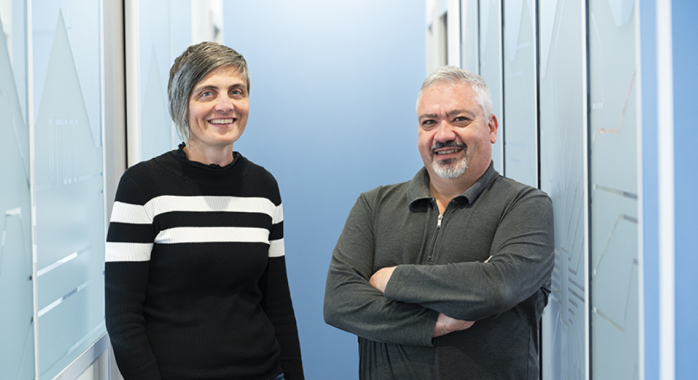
x,y
210,155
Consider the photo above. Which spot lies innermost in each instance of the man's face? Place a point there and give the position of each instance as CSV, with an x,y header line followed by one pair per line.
x,y
454,137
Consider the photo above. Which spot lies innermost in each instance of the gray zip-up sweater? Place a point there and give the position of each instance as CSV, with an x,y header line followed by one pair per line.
x,y
441,268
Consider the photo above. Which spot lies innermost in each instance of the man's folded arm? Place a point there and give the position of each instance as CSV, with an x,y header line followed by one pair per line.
x,y
520,264
353,305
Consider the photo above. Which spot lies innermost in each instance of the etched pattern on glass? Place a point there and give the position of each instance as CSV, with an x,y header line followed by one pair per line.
x,y
562,124
157,43
69,195
156,123
16,307
614,190
491,68
520,141
469,36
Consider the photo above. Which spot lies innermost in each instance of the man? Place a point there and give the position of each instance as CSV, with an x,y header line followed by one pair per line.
x,y
446,276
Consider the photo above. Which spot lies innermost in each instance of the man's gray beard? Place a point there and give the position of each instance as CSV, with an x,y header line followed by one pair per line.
x,y
447,169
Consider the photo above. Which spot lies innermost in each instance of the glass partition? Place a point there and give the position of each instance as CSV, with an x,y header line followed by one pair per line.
x,y
520,105
164,33
16,292
615,286
469,36
563,176
69,179
491,68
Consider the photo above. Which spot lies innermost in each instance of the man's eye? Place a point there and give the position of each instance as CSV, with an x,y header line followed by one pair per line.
x,y
206,94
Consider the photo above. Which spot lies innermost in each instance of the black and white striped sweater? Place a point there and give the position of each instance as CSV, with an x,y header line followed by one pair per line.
x,y
195,273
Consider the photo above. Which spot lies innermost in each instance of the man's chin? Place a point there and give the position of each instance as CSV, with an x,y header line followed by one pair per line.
x,y
449,169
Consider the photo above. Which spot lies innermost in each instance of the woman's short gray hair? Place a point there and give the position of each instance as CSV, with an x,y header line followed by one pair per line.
x,y
455,75
189,69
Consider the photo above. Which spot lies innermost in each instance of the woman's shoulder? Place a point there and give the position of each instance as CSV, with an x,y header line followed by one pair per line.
x,y
256,171
258,180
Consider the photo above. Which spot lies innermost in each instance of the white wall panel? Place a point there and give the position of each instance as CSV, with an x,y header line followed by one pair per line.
x,y
520,93
563,176
615,285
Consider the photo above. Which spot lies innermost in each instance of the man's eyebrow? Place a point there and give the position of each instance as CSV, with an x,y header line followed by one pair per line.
x,y
427,116
456,112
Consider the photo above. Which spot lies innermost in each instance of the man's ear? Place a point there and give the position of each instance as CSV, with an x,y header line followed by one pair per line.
x,y
493,125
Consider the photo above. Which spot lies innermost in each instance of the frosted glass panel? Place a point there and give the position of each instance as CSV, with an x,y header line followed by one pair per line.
x,y
164,34
562,145
469,37
68,180
491,68
16,309
520,132
614,184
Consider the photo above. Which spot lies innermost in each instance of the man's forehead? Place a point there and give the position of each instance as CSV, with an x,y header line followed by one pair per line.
x,y
448,98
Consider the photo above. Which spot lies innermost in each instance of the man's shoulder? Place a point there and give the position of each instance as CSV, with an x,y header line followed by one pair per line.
x,y
514,188
384,192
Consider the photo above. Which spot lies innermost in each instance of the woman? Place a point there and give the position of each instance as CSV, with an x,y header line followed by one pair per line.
x,y
195,274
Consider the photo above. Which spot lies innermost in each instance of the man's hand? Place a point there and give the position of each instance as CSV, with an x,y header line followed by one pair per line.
x,y
446,325
380,279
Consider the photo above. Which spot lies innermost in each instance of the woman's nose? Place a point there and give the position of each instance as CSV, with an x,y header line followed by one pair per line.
x,y
224,104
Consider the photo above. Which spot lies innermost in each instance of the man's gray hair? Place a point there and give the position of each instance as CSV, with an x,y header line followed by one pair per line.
x,y
189,69
455,75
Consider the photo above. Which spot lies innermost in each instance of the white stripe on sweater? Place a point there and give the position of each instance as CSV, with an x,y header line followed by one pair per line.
x,y
127,251
136,214
180,235
277,248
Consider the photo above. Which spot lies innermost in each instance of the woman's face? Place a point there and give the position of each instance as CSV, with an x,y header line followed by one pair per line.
x,y
218,109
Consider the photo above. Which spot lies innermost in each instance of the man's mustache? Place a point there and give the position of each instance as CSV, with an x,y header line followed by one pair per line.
x,y
447,144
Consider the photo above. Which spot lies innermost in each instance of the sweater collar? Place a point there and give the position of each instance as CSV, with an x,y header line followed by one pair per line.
x,y
419,186
181,156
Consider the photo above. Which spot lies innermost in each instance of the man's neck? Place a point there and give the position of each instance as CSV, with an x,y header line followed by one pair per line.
x,y
444,190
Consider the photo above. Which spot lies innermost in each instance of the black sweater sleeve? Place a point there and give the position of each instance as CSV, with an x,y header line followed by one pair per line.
x,y
126,282
276,302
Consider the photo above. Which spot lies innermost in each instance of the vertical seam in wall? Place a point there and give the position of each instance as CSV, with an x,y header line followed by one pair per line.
x,y
640,189
536,40
587,199
503,77
132,53
536,57
665,148
460,34
123,38
32,182
477,42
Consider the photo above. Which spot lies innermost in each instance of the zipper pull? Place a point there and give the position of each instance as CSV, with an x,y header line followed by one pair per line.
x,y
438,223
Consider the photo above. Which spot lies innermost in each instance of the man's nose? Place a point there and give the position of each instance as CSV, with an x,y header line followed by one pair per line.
x,y
445,132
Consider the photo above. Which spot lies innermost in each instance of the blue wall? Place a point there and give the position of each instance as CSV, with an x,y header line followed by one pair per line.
x,y
685,53
332,114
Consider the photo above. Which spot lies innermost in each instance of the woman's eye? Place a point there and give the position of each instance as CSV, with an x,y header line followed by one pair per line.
x,y
206,94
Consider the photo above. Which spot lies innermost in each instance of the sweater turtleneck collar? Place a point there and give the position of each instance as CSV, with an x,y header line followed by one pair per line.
x,y
181,156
